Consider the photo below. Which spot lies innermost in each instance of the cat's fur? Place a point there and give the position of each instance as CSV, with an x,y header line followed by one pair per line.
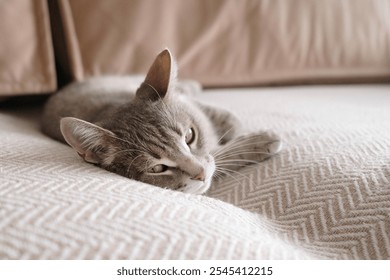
x,y
142,135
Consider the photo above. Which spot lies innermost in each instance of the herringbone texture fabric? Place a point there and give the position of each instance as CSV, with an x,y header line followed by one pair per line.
x,y
329,190
327,195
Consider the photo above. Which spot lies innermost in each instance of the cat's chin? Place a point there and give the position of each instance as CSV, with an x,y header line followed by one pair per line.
x,y
196,187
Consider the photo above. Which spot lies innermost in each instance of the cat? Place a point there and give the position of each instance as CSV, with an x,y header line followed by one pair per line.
x,y
153,134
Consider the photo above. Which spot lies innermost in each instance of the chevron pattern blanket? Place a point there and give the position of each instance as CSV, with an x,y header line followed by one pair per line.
x,y
326,196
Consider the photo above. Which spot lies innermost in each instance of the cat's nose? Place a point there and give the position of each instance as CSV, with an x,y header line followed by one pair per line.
x,y
200,176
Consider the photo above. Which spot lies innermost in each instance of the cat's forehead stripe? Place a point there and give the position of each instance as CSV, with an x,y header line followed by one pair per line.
x,y
177,130
156,156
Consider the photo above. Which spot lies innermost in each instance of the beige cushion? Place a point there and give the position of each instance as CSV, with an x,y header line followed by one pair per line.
x,y
228,42
26,54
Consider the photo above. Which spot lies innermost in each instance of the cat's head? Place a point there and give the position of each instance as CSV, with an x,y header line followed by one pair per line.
x,y
159,137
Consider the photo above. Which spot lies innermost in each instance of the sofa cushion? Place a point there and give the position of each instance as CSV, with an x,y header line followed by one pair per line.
x,y
233,43
26,55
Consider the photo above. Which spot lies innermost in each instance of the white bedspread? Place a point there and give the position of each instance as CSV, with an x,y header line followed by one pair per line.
x,y
327,195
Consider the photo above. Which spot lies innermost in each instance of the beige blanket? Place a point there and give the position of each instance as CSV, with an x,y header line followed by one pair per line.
x,y
327,195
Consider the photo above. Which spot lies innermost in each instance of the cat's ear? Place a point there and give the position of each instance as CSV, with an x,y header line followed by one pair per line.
x,y
160,78
91,142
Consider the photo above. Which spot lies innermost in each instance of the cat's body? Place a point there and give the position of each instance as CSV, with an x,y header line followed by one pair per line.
x,y
152,134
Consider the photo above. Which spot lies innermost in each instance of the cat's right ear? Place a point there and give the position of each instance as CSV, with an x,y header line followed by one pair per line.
x,y
91,142
160,78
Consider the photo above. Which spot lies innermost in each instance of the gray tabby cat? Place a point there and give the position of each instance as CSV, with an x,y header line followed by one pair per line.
x,y
154,134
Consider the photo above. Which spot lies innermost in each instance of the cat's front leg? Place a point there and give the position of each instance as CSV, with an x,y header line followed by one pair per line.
x,y
246,149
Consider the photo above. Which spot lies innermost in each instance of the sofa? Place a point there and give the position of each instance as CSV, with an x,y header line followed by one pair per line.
x,y
314,72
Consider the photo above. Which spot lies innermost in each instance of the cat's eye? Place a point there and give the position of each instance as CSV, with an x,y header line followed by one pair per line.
x,y
190,136
159,168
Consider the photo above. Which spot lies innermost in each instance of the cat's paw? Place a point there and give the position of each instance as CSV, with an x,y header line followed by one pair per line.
x,y
275,145
268,144
263,145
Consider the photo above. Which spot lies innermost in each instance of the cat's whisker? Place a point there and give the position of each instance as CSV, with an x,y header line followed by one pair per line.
x,y
243,143
234,151
232,155
227,170
131,163
240,144
241,155
147,165
223,149
217,176
226,173
247,137
223,135
230,161
241,165
238,173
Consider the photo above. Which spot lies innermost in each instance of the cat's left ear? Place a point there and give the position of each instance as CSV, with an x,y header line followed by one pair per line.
x,y
160,78
92,143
